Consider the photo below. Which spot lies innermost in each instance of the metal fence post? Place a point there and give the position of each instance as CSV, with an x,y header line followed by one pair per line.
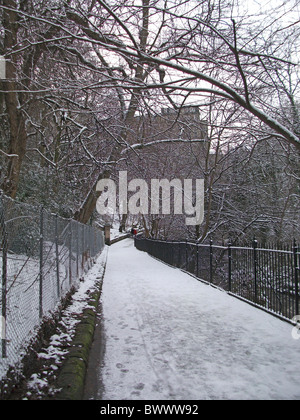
x,y
57,257
70,252
77,249
296,268
211,261
186,255
4,290
255,268
83,246
90,242
93,243
197,246
229,266
41,262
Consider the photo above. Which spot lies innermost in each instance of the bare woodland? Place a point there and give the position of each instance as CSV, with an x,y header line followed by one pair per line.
x,y
94,87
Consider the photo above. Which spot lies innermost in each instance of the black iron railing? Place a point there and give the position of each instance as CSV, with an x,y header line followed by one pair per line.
x,y
262,275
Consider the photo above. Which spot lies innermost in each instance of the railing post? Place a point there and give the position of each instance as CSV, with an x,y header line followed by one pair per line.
x,y
93,243
197,266
41,262
57,257
77,250
297,268
186,255
255,268
83,251
229,266
211,261
70,253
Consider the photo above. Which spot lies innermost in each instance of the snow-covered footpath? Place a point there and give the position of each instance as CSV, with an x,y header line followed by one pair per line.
x,y
168,336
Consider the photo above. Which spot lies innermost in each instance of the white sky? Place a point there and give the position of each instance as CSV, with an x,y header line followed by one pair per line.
x,y
287,10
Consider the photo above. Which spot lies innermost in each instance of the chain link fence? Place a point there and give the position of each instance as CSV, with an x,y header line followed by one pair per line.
x,y
42,258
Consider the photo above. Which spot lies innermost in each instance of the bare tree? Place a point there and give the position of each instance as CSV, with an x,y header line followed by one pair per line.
x,y
175,51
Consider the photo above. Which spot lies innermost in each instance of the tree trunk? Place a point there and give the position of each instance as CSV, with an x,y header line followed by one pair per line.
x,y
87,208
84,214
18,135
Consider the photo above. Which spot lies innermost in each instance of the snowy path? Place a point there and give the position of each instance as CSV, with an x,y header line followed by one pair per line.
x,y
171,337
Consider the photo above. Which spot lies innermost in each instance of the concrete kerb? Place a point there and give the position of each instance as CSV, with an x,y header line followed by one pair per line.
x,y
71,378
120,238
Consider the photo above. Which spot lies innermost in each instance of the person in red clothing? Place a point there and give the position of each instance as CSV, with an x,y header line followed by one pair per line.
x,y
133,232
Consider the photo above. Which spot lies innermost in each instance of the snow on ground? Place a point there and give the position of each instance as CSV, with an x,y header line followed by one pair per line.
x,y
23,297
171,337
40,383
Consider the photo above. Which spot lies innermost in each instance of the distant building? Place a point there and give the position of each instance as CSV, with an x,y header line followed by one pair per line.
x,y
167,159
184,124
